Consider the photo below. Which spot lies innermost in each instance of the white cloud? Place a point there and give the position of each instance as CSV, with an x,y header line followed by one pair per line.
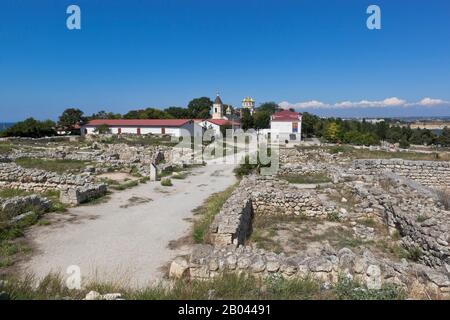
x,y
386,103
313,104
429,102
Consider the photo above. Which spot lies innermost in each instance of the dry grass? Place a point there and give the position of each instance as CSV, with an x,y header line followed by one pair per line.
x,y
223,287
207,211
444,198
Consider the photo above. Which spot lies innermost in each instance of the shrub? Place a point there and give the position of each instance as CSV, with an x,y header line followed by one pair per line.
x,y
414,253
166,182
348,289
333,216
31,128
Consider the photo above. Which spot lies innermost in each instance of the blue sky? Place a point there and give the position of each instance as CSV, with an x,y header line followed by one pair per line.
x,y
315,55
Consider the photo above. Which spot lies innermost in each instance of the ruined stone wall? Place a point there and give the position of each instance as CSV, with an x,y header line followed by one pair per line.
x,y
261,196
16,177
429,173
421,220
75,189
15,206
78,195
302,169
232,224
278,197
325,265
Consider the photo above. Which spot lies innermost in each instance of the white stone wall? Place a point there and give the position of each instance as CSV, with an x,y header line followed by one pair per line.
x,y
188,128
283,130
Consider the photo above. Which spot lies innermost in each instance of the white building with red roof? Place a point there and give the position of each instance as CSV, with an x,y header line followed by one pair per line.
x,y
174,127
286,126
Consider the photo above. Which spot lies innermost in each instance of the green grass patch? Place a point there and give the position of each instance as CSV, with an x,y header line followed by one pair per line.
x,y
5,148
166,182
392,248
421,218
11,193
207,211
58,165
144,179
125,185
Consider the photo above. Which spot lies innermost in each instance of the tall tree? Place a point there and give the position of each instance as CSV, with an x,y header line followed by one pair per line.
x,y
148,113
270,107
247,119
332,132
177,112
308,123
70,118
105,115
261,119
200,107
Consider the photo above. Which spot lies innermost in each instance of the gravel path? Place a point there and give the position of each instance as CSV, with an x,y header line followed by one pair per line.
x,y
126,239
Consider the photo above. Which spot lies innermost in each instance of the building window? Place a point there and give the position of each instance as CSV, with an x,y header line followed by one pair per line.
x,y
295,127
292,137
138,130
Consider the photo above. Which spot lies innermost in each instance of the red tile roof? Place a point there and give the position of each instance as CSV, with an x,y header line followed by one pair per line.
x,y
139,122
285,115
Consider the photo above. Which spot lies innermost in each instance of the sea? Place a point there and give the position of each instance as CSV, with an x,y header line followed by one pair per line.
x,y
5,125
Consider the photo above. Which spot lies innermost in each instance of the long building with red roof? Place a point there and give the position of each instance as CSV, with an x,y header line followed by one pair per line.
x,y
175,127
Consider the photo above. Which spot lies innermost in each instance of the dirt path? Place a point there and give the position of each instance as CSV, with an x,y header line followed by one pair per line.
x,y
127,238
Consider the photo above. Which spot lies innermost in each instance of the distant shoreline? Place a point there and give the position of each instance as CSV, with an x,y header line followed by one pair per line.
x,y
6,125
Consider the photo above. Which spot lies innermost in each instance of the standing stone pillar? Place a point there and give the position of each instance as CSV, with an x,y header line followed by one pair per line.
x,y
153,172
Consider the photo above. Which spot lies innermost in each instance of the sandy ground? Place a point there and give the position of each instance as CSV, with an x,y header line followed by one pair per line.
x,y
126,240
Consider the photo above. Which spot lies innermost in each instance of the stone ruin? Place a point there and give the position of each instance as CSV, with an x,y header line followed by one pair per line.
x,y
17,208
382,190
74,189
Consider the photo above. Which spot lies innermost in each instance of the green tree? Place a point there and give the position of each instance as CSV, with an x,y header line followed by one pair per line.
x,y
200,107
332,132
31,128
247,119
105,115
177,112
148,113
261,119
70,118
270,107
444,138
309,123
